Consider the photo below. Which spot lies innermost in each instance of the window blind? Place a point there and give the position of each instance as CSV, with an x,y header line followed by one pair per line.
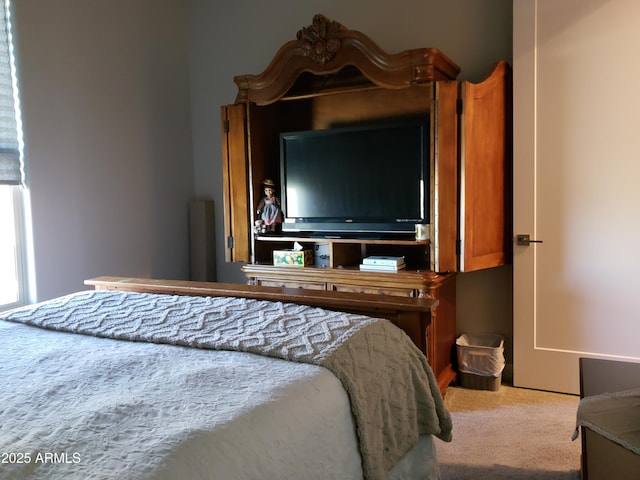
x,y
10,162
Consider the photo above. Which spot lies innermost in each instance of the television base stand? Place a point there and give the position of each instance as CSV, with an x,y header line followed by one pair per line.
x,y
439,339
361,236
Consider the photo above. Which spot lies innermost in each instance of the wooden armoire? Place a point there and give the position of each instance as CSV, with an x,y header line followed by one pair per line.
x,y
332,75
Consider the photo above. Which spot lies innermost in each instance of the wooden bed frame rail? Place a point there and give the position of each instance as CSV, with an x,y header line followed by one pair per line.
x,y
413,315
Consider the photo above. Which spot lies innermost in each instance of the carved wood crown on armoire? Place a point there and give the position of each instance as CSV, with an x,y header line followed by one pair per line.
x,y
332,76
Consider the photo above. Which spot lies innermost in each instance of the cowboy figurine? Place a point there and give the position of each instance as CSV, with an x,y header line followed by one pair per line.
x,y
268,208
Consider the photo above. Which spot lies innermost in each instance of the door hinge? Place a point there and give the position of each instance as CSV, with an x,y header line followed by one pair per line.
x,y
229,242
225,126
459,106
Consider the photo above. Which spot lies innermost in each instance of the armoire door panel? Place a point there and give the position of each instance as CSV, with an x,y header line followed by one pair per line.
x,y
485,156
444,170
236,195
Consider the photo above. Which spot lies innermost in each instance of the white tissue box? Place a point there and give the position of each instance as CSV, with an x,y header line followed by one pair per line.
x,y
293,258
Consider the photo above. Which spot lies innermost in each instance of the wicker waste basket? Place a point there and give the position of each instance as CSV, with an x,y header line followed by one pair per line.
x,y
480,361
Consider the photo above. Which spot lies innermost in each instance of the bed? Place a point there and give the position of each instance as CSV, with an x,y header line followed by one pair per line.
x,y
158,380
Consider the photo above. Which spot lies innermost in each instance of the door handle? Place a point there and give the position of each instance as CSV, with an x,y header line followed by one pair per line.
x,y
524,240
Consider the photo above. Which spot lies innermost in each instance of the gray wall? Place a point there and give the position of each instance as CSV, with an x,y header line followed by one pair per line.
x,y
105,101
240,37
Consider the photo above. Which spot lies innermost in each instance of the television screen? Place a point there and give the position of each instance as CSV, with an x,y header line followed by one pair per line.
x,y
361,179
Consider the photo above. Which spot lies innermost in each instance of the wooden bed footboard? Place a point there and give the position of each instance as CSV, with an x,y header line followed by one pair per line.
x,y
413,315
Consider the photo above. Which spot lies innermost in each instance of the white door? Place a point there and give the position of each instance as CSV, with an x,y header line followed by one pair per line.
x,y
576,187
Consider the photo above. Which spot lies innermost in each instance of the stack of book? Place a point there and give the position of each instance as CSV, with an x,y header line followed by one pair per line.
x,y
380,263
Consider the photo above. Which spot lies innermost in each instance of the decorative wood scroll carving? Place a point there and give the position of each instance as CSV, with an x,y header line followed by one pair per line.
x,y
319,40
326,48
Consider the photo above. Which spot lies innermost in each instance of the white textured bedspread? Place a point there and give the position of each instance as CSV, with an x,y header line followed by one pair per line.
x,y
391,395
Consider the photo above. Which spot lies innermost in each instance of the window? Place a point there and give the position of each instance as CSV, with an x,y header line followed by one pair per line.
x,y
9,279
13,194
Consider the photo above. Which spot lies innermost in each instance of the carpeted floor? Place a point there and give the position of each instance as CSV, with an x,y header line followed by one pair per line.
x,y
512,433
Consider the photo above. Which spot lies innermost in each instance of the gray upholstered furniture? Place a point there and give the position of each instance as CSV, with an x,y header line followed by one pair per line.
x,y
609,419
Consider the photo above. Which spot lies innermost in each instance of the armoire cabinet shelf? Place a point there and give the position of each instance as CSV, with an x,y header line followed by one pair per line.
x,y
346,253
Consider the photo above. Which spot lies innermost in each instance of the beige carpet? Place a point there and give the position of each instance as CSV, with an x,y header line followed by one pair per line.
x,y
512,433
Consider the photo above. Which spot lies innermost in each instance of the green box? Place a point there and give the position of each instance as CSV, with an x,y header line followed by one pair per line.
x,y
293,258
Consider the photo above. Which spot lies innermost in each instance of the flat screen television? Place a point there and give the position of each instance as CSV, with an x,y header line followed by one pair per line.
x,y
363,180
